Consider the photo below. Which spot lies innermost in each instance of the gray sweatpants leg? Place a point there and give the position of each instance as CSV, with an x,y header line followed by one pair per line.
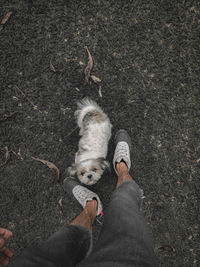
x,y
124,239
66,248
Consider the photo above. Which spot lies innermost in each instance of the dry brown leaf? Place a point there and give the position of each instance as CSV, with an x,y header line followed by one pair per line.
x,y
60,212
89,66
7,156
52,67
50,165
100,93
95,79
60,205
6,18
168,25
60,202
17,154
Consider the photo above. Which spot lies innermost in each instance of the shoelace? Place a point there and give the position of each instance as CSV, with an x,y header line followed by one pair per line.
x,y
122,146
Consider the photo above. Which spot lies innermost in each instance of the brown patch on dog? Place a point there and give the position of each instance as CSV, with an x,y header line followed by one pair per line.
x,y
81,172
94,116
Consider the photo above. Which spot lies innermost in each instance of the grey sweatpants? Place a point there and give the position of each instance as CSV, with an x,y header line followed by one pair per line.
x,y
124,239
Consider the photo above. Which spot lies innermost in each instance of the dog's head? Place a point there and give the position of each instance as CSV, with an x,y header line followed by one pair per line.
x,y
89,171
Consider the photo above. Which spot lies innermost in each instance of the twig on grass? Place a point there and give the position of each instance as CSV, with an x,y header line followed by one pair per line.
x,y
34,106
72,131
5,117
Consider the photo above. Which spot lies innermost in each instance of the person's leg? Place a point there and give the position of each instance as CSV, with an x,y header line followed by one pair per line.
x,y
123,174
124,239
67,247
87,216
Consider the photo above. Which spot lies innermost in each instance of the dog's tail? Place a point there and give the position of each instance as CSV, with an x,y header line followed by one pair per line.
x,y
84,106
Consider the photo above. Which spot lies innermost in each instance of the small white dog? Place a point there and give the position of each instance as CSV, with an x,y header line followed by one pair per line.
x,y
95,132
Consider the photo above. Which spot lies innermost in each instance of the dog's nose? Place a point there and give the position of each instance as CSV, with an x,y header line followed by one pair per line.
x,y
90,176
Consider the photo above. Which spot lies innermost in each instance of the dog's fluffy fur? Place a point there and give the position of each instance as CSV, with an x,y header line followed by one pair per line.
x,y
95,132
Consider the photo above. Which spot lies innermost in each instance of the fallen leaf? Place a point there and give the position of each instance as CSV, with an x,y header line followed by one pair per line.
x,y
60,211
17,154
60,202
7,156
50,165
89,66
100,93
52,67
95,79
6,18
168,25
193,8
62,221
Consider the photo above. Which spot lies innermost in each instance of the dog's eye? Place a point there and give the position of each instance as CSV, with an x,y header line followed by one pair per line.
x,y
82,173
94,170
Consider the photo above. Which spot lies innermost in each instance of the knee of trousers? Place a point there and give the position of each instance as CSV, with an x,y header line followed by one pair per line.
x,y
73,240
128,192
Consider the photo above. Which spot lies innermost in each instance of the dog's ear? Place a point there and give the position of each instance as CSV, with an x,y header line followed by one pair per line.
x,y
105,165
72,170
